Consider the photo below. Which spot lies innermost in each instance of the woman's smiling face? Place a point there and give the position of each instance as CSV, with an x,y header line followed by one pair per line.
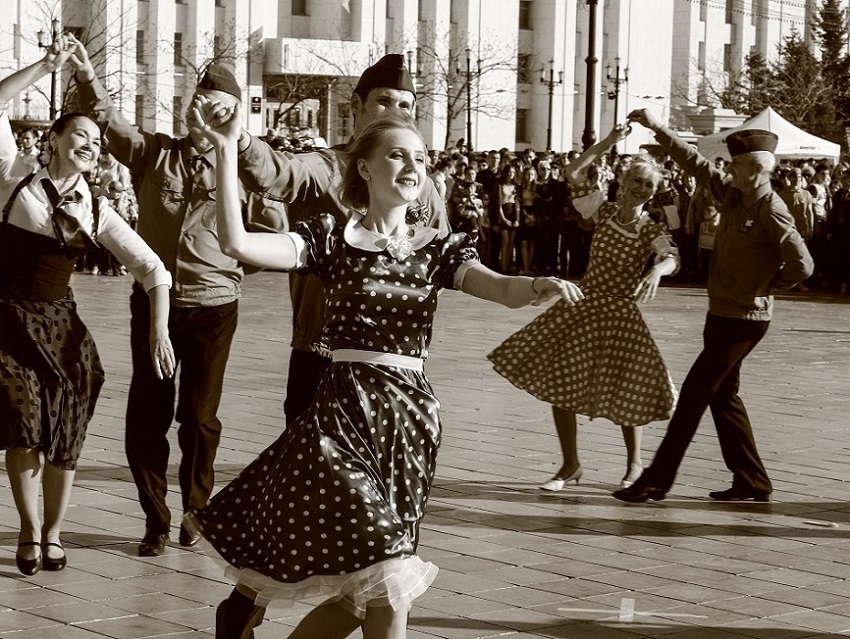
x,y
395,170
77,148
640,184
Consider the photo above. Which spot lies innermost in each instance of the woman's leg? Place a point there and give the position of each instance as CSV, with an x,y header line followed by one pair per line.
x,y
632,435
57,495
383,622
24,468
567,429
506,252
329,621
237,616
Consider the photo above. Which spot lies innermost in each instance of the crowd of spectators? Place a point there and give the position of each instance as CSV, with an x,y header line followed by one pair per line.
x,y
518,207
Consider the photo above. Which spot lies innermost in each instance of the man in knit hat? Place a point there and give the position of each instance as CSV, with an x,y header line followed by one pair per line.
x,y
308,183
757,251
175,187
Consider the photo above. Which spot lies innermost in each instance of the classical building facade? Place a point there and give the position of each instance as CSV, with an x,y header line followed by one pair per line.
x,y
498,73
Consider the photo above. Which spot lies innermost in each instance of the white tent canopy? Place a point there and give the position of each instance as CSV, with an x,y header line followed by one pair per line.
x,y
793,141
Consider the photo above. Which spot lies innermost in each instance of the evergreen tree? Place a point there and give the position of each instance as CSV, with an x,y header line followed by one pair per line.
x,y
829,27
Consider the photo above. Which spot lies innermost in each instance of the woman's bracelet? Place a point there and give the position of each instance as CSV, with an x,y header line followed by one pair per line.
x,y
533,287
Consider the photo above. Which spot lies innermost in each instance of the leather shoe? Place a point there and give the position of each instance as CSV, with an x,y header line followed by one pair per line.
x,y
737,493
29,567
153,544
639,492
236,617
53,563
188,538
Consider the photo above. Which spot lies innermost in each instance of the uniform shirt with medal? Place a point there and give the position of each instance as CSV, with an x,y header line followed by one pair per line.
x,y
32,209
757,248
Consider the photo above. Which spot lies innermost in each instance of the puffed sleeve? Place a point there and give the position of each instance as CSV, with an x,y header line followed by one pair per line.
x,y
661,242
318,234
457,254
587,199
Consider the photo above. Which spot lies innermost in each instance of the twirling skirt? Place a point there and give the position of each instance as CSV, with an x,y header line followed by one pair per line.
x,y
52,377
596,358
331,510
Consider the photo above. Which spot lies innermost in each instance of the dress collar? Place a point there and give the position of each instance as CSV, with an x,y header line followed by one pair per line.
x,y
359,236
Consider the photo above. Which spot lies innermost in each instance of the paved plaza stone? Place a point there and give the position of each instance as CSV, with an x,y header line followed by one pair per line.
x,y
514,562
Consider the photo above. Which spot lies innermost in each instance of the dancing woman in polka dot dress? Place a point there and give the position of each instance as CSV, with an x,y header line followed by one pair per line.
x,y
331,511
597,357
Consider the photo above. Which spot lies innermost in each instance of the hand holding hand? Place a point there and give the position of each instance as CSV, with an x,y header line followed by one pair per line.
x,y
217,122
57,53
619,133
548,287
79,59
645,118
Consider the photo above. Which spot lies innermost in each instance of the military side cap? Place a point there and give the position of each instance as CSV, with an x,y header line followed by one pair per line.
x,y
750,140
219,78
389,72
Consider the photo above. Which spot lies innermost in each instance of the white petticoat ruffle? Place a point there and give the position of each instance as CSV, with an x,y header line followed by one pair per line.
x,y
394,582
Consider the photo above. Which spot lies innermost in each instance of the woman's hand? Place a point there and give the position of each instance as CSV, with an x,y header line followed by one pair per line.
x,y
548,287
58,52
619,133
79,59
648,285
645,118
162,353
217,122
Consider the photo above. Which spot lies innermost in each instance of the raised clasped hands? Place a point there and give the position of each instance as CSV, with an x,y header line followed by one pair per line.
x,y
549,287
217,122
644,118
619,133
59,51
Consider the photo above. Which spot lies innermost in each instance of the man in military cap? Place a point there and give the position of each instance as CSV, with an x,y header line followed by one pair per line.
x,y
308,183
757,251
174,179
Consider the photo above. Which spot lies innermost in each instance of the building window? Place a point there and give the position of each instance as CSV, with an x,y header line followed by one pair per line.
x,y
140,109
727,58
217,48
343,118
219,3
524,14
140,46
523,68
177,114
178,50
701,56
730,10
299,8
522,125
703,10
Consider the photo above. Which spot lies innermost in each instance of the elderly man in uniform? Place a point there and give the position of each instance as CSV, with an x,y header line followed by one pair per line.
x,y
757,251
175,187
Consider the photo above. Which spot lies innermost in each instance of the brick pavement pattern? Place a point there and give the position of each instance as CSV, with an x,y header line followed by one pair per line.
x,y
515,562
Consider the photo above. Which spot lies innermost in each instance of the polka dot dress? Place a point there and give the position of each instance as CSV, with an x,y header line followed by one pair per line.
x,y
598,358
333,507
49,363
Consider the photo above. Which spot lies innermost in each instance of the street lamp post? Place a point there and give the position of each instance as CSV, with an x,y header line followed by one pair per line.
x,y
550,83
588,138
469,76
616,81
54,24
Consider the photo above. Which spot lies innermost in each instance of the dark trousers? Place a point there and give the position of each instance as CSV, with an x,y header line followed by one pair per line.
x,y
306,370
201,337
713,381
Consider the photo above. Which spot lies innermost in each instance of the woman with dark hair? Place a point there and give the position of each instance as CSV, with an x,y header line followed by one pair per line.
x,y
507,214
50,369
330,512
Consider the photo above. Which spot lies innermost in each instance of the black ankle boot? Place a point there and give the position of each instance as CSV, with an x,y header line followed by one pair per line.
x,y
237,616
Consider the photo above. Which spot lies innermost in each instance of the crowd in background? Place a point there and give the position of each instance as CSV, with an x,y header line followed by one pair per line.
x,y
519,208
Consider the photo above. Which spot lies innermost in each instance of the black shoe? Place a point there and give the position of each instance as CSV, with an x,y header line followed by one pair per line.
x,y
236,617
153,544
640,492
28,567
188,538
48,562
739,494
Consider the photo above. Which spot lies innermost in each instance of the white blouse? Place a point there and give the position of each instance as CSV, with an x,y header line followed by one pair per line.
x,y
31,211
